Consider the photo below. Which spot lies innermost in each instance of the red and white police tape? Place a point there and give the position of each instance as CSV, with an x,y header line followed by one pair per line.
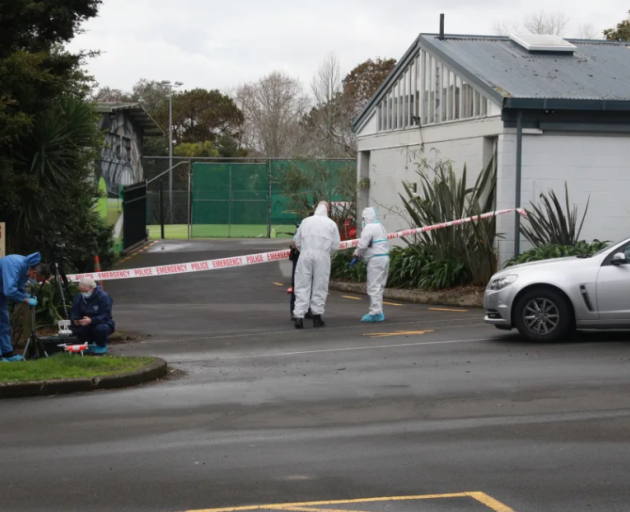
x,y
254,259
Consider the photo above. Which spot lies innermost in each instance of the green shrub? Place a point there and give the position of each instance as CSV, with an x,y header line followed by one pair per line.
x,y
50,306
550,251
409,267
444,197
443,274
406,264
340,268
416,267
549,224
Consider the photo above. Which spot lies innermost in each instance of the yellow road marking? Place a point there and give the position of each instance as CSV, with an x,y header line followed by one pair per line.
x,y
395,333
490,502
392,304
310,509
351,297
137,251
451,310
278,284
481,497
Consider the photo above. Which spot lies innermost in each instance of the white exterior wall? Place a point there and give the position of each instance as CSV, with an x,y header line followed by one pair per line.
x,y
392,157
595,165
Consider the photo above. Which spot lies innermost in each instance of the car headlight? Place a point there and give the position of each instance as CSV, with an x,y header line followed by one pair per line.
x,y
498,283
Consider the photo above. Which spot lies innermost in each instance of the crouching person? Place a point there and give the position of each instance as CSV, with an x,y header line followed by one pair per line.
x,y
91,316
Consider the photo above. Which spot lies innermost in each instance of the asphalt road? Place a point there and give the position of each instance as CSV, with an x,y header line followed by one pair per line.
x,y
427,407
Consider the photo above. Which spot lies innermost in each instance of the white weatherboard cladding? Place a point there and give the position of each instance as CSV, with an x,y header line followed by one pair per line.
x,y
425,93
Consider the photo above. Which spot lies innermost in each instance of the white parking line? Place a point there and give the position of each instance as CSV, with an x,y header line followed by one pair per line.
x,y
350,349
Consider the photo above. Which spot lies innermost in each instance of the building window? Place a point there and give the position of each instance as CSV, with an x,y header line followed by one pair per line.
x,y
428,92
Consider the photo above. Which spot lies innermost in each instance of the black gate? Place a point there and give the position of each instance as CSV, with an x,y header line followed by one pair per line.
x,y
134,215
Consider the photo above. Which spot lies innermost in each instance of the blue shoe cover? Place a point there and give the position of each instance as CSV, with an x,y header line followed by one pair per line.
x,y
13,359
373,318
99,351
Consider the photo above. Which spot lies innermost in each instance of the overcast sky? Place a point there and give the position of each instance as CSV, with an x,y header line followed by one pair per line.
x,y
220,44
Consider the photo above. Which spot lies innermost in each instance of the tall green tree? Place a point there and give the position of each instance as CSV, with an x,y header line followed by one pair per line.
x,y
34,68
621,32
48,132
196,149
365,79
199,116
327,126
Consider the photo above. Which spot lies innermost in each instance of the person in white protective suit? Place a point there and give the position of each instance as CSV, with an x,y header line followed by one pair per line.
x,y
373,248
317,239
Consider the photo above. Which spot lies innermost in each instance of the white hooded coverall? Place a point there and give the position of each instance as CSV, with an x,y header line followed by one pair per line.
x,y
317,239
373,248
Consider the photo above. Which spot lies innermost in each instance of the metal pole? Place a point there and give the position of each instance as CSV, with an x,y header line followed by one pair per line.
x,y
162,209
269,199
189,198
170,151
517,198
230,206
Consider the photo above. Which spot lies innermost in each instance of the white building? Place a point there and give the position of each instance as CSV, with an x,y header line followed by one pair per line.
x,y
463,96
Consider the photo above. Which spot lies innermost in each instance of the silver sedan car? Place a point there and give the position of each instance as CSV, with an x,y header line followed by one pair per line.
x,y
548,300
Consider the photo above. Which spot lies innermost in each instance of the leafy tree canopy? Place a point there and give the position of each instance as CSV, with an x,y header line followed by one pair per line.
x,y
48,131
364,80
621,32
199,115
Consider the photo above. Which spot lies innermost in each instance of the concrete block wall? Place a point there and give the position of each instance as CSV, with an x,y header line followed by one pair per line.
x,y
393,157
593,165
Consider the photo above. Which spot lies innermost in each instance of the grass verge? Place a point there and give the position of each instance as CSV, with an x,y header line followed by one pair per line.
x,y
180,231
66,366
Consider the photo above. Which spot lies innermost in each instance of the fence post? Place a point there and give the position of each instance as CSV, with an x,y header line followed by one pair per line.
x,y
189,227
162,208
230,202
269,198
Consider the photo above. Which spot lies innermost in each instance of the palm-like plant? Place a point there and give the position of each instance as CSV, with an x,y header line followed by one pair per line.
x,y
55,157
549,224
445,197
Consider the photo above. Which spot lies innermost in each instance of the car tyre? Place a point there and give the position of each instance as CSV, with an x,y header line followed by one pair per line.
x,y
544,315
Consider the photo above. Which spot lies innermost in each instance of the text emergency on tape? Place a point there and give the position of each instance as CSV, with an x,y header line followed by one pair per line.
x,y
255,259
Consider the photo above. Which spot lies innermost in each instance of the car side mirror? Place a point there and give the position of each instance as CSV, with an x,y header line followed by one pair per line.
x,y
619,259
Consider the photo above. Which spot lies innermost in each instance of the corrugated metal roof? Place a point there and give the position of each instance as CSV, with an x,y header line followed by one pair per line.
x,y
597,70
595,77
137,114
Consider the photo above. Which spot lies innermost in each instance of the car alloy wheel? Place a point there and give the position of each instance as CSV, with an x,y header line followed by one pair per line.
x,y
541,316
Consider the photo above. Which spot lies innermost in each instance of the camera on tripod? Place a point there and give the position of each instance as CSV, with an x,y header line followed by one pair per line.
x,y
57,254
57,249
37,346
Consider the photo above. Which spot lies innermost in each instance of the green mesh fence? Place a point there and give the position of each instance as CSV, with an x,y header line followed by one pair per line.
x,y
234,200
280,203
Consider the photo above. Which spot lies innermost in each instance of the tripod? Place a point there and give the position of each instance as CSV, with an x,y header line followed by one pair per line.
x,y
62,281
34,347
34,344
59,273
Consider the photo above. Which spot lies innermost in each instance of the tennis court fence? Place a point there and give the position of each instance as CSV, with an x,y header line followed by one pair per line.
x,y
223,198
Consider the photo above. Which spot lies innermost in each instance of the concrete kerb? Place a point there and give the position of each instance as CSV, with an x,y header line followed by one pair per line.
x,y
466,299
154,371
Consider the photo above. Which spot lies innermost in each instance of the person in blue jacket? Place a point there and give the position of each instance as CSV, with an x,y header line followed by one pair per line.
x,y
15,272
91,316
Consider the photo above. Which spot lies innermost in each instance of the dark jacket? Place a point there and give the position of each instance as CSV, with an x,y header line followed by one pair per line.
x,y
13,274
98,307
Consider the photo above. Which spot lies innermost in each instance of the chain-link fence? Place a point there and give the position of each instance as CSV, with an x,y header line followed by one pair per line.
x,y
223,198
175,203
